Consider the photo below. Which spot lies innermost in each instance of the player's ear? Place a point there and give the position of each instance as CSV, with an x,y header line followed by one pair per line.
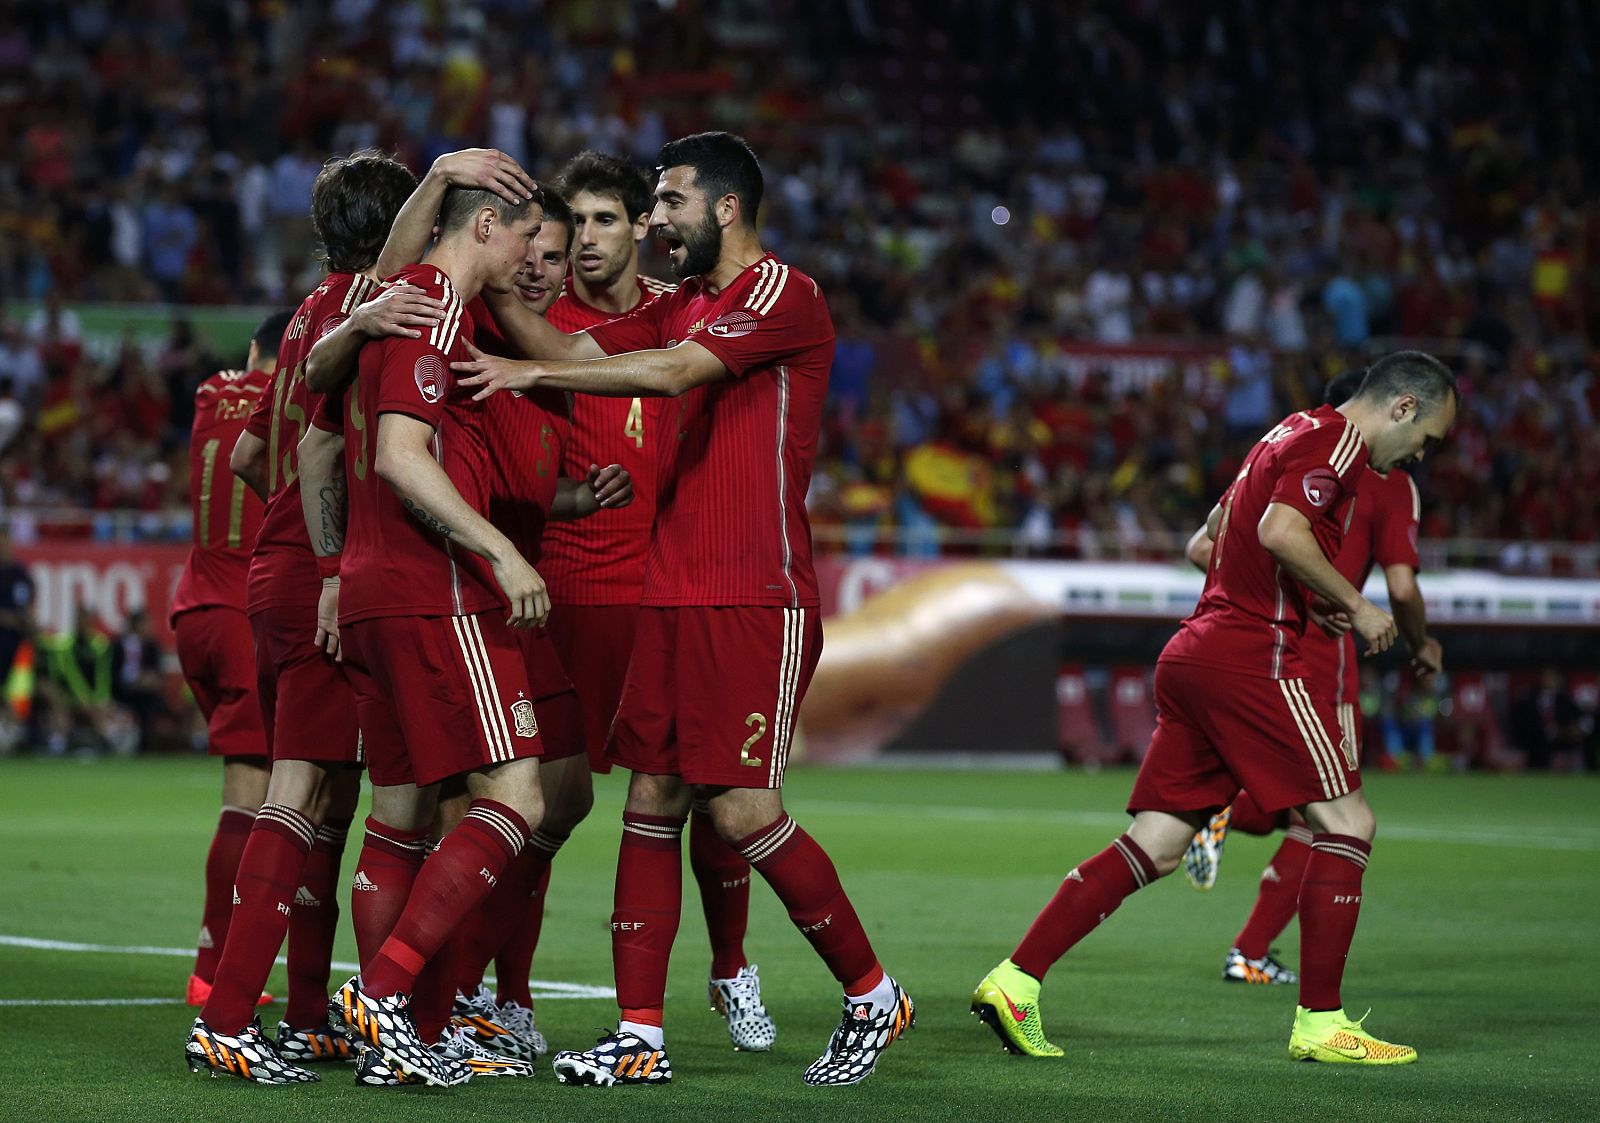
x,y
485,224
1405,408
728,209
641,226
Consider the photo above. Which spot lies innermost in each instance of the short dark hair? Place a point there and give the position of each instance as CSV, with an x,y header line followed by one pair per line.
x,y
1343,388
353,204
600,173
556,210
461,203
1410,372
269,332
723,165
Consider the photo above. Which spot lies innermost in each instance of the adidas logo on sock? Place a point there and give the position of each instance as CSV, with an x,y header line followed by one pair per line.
x,y
205,937
363,883
303,898
1270,874
236,899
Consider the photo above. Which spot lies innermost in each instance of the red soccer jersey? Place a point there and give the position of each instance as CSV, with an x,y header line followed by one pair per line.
x,y
1252,615
392,564
227,514
732,474
1383,531
283,570
526,435
600,559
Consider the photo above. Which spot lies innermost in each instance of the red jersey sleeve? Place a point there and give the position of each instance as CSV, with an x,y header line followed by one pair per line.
x,y
259,423
1394,537
784,314
1319,467
415,379
640,330
329,414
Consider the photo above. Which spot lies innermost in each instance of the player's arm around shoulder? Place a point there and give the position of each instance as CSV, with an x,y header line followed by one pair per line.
x,y
401,310
661,372
403,462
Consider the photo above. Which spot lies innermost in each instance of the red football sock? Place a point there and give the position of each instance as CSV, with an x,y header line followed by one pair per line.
x,y
803,877
386,868
222,863
1248,818
483,934
1330,903
312,926
1278,896
644,918
268,873
513,957
1089,894
454,881
724,879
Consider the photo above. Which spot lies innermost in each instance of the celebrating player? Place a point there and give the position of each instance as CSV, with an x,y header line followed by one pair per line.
x,y
213,632
425,587
1236,708
729,635
1383,530
290,863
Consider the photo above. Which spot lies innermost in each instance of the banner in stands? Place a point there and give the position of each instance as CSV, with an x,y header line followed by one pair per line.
x,y
105,581
1138,366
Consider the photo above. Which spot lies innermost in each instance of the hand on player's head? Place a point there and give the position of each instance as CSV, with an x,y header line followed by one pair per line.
x,y
402,310
487,169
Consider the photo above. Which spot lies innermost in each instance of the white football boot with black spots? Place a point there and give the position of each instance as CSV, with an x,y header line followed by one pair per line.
x,y
478,1015
1266,971
322,1045
863,1034
386,1025
372,1071
617,1058
456,1044
750,1027
248,1054
519,1020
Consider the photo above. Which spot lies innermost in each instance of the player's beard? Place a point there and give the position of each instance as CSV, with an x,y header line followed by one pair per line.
x,y
702,247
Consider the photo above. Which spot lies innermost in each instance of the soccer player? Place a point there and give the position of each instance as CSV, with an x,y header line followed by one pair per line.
x,y
729,635
595,569
427,595
1235,707
213,632
1382,531
286,878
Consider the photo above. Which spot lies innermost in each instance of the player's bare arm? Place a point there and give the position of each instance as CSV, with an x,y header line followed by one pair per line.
x,y
530,334
402,461
1411,618
402,310
603,489
1198,551
664,372
485,168
248,462
324,502
1286,534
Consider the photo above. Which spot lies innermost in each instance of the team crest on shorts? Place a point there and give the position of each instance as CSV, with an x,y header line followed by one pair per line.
x,y
522,714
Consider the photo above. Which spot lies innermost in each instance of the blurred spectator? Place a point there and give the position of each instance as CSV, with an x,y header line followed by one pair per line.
x,y
1548,723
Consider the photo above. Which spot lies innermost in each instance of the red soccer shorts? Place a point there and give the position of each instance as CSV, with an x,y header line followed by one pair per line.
x,y
308,706
438,696
594,642
214,649
1218,731
712,693
555,705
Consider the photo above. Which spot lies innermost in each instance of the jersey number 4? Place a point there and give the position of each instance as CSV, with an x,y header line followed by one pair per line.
x,y
633,427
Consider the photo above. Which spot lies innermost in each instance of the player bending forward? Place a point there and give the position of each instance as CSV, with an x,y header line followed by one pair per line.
x,y
1382,531
1235,708
729,636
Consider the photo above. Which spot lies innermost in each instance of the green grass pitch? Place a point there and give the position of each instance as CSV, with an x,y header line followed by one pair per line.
x,y
1479,943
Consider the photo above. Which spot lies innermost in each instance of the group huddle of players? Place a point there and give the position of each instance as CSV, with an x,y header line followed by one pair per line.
x,y
494,511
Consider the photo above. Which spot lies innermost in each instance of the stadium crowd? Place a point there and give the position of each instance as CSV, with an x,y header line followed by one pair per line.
x,y
1131,171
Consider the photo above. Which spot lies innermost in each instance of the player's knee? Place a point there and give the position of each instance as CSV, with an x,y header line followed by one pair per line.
x,y
657,795
566,808
738,813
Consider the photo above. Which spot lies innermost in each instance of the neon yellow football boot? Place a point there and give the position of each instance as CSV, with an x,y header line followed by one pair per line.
x,y
1007,1001
1332,1036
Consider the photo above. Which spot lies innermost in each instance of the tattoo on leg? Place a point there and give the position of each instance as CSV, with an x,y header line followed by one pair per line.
x,y
426,519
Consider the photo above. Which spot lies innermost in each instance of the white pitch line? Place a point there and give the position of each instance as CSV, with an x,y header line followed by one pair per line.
x,y
92,1002
542,988
1582,840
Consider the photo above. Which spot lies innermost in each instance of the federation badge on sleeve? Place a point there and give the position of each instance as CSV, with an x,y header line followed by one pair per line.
x,y
522,714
